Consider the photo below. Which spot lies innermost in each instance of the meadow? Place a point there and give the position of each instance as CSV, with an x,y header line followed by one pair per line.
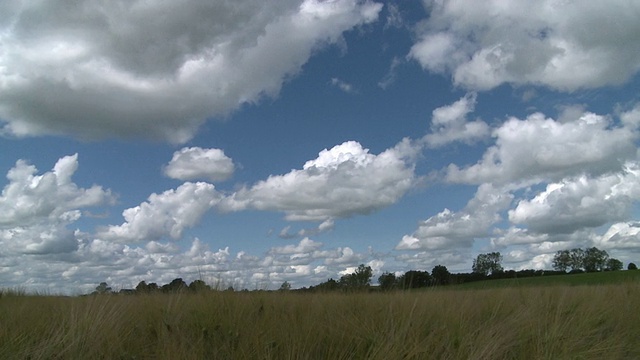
x,y
551,321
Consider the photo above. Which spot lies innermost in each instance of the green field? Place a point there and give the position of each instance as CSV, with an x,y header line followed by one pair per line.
x,y
596,278
458,322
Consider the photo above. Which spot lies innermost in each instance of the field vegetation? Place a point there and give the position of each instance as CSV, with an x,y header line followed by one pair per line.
x,y
537,321
594,278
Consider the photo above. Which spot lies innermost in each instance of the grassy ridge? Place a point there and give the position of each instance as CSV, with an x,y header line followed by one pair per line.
x,y
557,322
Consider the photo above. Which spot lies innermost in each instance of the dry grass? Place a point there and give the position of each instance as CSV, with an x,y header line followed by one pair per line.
x,y
552,322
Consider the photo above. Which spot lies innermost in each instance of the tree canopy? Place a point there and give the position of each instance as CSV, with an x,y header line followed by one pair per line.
x,y
590,260
359,279
486,264
441,275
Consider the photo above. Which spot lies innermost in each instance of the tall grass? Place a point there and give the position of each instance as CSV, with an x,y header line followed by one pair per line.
x,y
551,322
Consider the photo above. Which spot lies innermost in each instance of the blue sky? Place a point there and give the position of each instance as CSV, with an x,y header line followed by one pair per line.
x,y
294,140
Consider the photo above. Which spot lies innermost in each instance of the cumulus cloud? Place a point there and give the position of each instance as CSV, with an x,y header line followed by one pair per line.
x,y
342,256
537,149
197,163
580,202
449,124
516,236
525,250
154,68
537,43
35,210
164,215
29,198
343,181
622,235
450,229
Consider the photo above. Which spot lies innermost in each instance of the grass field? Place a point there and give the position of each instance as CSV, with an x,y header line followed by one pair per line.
x,y
597,278
521,322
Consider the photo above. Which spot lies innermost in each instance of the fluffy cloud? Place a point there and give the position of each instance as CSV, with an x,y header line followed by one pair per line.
x,y
35,210
516,236
343,181
491,43
166,214
623,235
198,163
581,202
154,68
29,198
123,266
537,148
450,229
449,124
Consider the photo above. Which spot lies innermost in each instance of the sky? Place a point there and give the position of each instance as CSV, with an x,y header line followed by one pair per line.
x,y
248,143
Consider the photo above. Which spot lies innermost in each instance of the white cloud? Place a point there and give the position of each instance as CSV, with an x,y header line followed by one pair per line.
x,y
306,245
450,229
344,255
580,202
343,181
343,85
394,16
436,50
622,235
516,236
197,163
325,226
35,210
449,123
540,149
154,68
42,238
166,214
29,198
390,77
491,43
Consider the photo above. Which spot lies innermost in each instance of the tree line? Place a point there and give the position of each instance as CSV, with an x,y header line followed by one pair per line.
x,y
586,260
485,266
175,286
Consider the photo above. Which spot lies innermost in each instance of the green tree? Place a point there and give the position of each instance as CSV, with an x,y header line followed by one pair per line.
x,y
441,275
414,279
577,259
614,264
198,286
328,285
361,278
562,260
142,287
176,285
387,281
595,259
285,286
103,288
632,266
486,264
